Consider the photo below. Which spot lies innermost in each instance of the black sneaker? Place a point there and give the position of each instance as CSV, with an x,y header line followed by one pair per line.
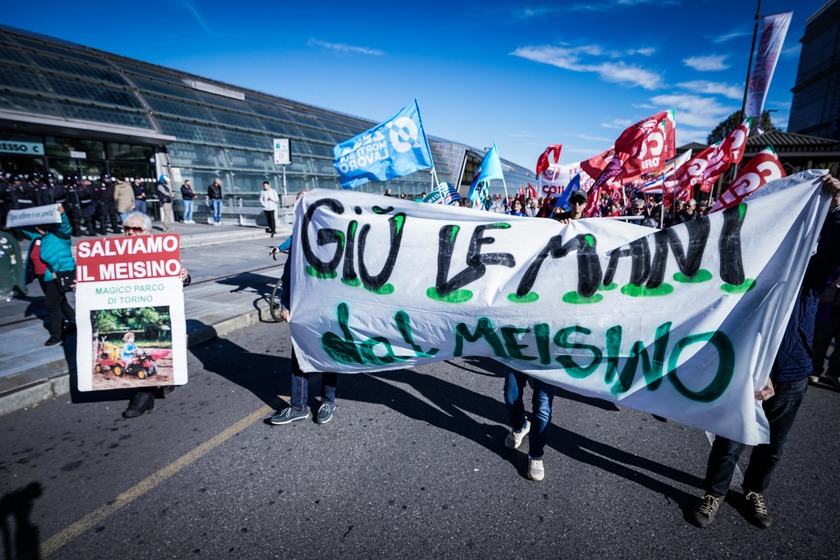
x,y
704,514
141,402
288,416
759,514
326,413
52,341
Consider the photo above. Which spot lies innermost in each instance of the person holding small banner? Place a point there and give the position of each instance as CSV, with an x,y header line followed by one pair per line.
x,y
51,258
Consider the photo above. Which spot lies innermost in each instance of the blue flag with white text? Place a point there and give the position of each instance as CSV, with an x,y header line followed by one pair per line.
x,y
395,148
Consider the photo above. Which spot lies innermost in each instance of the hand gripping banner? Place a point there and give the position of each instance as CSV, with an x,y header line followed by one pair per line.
x,y
683,322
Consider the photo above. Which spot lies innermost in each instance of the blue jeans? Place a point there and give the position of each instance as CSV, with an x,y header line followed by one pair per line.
x,y
300,386
541,402
188,210
141,206
781,411
217,209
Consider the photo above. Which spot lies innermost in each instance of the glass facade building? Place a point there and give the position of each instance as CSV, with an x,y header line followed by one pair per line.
x,y
815,109
70,109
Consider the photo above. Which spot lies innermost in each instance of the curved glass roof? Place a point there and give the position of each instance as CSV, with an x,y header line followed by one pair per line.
x,y
209,128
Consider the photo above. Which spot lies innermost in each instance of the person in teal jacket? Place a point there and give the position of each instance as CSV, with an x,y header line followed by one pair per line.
x,y
49,254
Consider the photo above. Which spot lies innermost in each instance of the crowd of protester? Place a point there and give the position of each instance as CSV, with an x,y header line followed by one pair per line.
x,y
95,206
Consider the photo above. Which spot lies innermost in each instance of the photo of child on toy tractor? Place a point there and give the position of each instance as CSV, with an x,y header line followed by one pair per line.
x,y
131,360
132,347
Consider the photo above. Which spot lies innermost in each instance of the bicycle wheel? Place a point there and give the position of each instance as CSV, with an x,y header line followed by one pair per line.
x,y
274,301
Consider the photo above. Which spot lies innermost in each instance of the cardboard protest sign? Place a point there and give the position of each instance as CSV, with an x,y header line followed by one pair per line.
x,y
683,322
34,216
130,313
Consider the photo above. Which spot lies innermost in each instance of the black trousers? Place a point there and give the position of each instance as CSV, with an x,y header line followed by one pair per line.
x,y
57,306
269,217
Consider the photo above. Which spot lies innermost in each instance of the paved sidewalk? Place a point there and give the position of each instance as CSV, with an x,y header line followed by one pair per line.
x,y
231,274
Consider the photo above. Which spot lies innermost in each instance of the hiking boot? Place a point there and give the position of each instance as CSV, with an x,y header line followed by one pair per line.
x,y
288,416
759,514
705,512
141,402
514,438
325,413
536,469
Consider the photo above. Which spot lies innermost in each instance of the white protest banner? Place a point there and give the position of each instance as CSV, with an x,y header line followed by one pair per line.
x,y
130,313
37,215
683,322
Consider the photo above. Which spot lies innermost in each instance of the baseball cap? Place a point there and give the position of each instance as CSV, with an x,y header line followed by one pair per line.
x,y
577,196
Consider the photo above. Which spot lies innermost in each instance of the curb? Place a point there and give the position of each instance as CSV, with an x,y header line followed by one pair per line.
x,y
26,394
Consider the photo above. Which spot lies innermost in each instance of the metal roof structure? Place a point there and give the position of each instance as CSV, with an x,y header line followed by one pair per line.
x,y
60,95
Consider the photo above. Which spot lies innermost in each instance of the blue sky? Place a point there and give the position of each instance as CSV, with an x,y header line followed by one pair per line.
x,y
522,75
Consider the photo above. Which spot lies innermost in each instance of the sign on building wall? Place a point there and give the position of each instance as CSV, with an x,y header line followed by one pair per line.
x,y
282,153
22,148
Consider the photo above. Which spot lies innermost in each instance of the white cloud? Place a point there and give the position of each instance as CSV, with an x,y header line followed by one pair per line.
x,y
708,63
713,88
688,135
592,6
792,52
693,110
729,36
596,138
617,123
340,47
578,59
198,18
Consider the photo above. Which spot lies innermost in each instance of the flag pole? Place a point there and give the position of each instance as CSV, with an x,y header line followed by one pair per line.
x,y
749,64
734,168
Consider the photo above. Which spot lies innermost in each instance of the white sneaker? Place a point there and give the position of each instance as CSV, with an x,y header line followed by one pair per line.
x,y
536,469
514,438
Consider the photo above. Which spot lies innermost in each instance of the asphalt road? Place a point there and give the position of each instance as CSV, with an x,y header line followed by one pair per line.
x,y
413,466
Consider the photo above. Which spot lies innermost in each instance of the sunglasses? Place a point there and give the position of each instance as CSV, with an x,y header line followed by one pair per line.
x,y
133,229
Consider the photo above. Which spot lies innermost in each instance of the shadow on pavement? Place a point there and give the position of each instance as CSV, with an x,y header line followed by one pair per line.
x,y
15,510
624,464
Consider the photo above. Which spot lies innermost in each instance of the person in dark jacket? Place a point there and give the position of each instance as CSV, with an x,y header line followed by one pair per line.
x,y
214,198
785,387
188,194
139,196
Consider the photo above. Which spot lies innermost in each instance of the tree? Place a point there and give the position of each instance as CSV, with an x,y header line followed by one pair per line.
x,y
731,122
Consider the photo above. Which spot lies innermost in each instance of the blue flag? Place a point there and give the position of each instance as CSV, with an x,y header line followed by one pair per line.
x,y
490,168
563,199
395,148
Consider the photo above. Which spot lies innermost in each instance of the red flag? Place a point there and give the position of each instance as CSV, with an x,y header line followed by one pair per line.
x,y
607,181
691,173
532,192
645,146
648,144
757,172
727,152
543,162
595,165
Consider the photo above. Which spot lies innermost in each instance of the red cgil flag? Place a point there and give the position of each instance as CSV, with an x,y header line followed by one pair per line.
x,y
544,161
764,167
